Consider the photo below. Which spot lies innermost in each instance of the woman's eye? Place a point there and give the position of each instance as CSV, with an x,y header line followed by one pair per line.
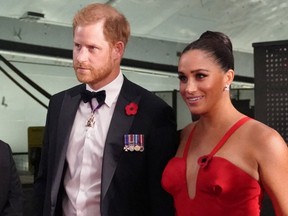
x,y
182,78
201,76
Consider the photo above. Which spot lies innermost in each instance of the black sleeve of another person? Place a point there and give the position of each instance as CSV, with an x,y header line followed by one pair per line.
x,y
11,194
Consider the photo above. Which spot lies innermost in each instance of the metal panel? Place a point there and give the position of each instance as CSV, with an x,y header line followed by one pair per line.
x,y
271,88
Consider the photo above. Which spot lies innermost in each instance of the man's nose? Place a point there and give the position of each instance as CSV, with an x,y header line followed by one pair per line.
x,y
82,55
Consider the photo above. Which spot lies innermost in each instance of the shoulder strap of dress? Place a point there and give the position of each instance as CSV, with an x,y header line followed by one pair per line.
x,y
228,134
187,145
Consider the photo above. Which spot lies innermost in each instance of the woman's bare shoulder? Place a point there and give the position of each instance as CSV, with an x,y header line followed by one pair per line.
x,y
264,139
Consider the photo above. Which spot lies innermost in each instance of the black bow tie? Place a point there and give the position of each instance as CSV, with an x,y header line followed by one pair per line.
x,y
87,96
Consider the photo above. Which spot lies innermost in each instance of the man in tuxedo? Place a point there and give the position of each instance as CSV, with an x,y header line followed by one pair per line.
x,y
11,194
105,155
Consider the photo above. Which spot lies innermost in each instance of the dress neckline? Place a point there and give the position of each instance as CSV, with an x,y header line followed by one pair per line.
x,y
204,160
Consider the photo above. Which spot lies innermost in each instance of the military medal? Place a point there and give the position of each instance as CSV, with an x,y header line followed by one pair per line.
x,y
137,148
134,142
126,142
141,142
131,142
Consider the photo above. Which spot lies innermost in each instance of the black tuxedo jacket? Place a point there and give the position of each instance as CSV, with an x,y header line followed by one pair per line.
x,y
131,181
11,195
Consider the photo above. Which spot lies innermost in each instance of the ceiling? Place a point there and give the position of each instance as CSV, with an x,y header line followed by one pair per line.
x,y
245,21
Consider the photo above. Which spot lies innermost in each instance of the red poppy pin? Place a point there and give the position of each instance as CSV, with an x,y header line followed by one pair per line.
x,y
131,109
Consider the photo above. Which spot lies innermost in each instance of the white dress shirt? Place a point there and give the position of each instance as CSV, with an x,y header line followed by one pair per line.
x,y
82,181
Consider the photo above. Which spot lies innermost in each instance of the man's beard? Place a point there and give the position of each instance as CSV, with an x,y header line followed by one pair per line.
x,y
95,75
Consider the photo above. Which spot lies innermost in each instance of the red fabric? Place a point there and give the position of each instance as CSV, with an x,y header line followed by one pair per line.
x,y
222,189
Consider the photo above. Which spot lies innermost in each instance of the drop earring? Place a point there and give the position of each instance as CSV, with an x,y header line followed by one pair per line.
x,y
226,88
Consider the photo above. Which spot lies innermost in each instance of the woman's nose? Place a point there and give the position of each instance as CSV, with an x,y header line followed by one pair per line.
x,y
190,87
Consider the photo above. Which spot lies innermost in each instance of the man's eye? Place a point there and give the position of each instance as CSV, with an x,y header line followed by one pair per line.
x,y
77,46
93,48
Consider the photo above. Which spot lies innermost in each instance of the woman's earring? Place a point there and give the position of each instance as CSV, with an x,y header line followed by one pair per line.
x,y
226,88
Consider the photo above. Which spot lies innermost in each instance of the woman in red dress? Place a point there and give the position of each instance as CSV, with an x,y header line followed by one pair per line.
x,y
226,160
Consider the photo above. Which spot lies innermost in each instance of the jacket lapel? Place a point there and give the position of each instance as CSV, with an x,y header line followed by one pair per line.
x,y
67,114
120,125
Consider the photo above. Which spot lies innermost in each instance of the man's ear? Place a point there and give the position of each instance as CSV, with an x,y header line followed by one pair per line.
x,y
118,50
